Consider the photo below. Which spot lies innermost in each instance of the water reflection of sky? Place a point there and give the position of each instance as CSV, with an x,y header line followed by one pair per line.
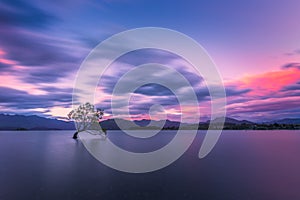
x,y
243,165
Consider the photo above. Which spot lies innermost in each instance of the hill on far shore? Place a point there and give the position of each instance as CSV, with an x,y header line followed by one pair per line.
x,y
33,122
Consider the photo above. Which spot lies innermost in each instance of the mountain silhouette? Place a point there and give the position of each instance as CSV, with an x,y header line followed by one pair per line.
x,y
33,122
229,120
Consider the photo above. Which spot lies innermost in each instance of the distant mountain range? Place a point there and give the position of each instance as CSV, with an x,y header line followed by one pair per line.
x,y
294,121
229,120
111,124
33,122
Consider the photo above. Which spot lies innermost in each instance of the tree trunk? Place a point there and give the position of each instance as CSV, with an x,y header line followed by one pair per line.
x,y
75,135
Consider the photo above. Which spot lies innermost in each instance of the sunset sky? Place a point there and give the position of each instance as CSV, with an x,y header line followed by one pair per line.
x,y
255,45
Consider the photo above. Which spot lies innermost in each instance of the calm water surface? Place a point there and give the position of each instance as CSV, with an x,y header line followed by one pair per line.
x,y
243,165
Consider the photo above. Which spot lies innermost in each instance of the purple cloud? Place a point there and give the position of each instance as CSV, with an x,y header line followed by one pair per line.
x,y
291,65
17,99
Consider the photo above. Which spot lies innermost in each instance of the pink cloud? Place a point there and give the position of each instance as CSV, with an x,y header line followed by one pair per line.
x,y
267,96
269,82
7,61
14,83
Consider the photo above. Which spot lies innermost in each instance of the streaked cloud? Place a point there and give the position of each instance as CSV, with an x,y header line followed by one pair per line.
x,y
43,43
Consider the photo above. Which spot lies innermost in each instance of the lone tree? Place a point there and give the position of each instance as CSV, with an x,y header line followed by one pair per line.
x,y
86,119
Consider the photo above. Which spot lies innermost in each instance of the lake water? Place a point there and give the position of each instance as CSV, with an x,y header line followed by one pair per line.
x,y
243,165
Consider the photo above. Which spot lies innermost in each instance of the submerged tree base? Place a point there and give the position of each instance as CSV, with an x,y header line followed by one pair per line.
x,y
75,135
